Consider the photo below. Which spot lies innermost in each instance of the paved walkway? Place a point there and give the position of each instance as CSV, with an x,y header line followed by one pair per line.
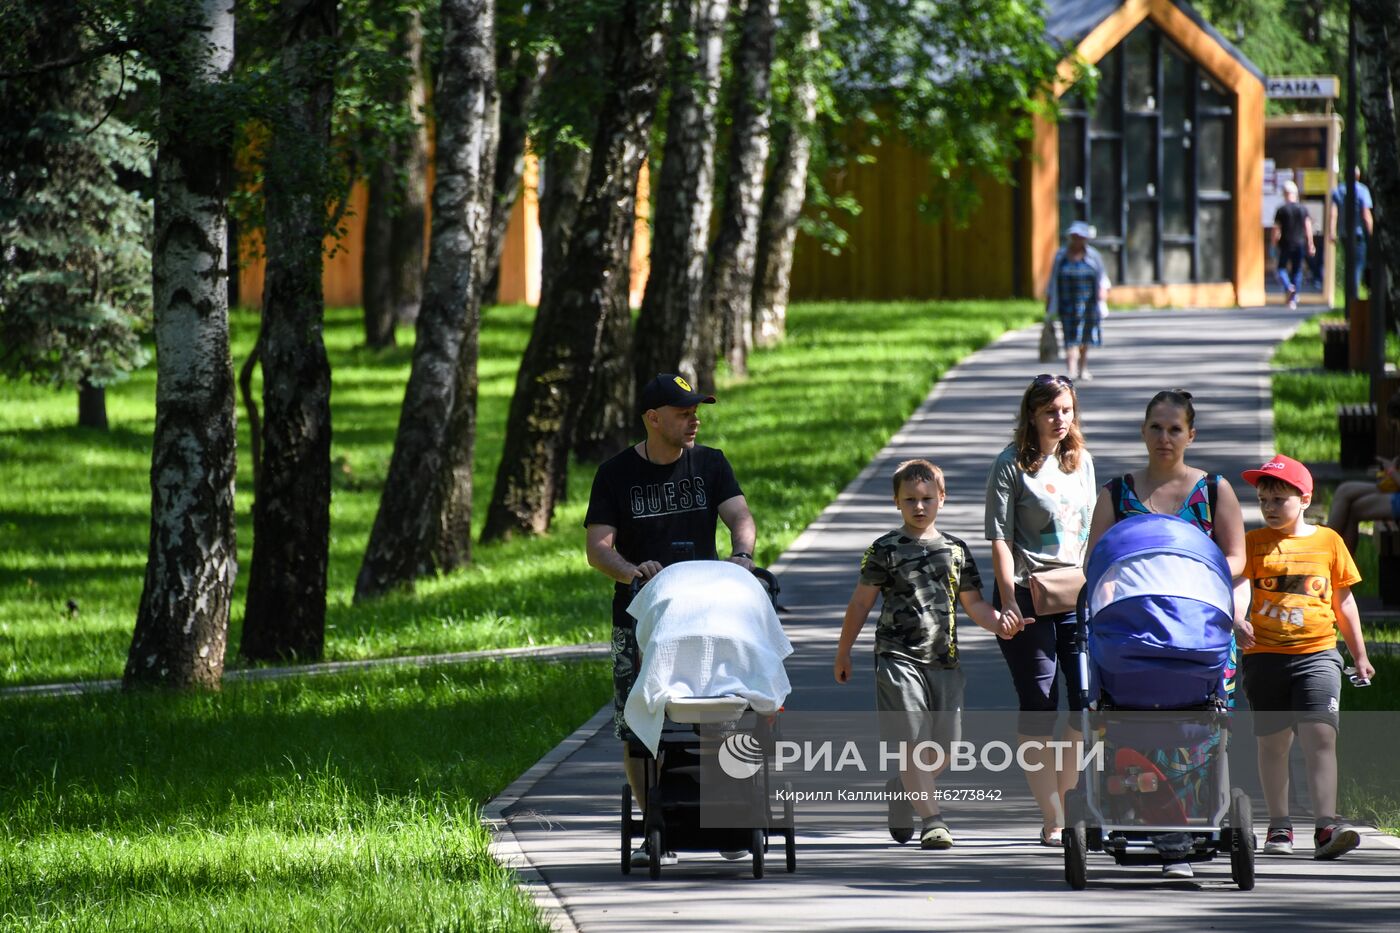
x,y
559,823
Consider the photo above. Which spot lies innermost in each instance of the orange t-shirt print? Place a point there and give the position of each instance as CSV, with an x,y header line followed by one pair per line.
x,y
1293,579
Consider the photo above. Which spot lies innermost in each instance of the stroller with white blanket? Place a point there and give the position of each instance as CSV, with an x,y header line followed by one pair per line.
x,y
705,701
1153,641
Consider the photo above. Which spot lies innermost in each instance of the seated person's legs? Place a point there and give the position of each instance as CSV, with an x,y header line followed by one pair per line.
x,y
1357,501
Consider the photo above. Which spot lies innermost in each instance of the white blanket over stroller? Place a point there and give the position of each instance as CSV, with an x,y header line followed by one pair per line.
x,y
705,628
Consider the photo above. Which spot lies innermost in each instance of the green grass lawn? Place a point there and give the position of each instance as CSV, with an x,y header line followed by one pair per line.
x,y
333,802
75,515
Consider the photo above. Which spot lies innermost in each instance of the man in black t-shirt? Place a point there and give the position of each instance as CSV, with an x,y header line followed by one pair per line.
x,y
1293,236
655,504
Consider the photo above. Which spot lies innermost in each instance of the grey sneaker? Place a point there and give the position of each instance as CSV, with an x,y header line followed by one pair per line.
x,y
1335,839
641,857
1279,841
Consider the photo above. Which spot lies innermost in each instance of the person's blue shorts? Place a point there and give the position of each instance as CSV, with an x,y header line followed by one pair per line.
x,y
1395,505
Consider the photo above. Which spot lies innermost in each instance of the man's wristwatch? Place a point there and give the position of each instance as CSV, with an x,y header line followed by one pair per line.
x,y
744,554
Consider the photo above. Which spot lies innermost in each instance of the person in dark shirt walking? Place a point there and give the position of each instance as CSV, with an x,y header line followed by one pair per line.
x,y
1293,238
655,504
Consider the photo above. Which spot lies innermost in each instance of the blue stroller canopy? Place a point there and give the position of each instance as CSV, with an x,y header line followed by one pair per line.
x,y
1160,613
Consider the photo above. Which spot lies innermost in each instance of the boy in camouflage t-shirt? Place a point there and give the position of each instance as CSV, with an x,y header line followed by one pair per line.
x,y
920,573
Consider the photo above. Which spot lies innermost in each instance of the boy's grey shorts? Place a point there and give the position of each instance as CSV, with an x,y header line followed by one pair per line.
x,y
1286,689
918,702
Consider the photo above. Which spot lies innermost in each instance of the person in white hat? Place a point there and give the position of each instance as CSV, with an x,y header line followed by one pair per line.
x,y
1077,287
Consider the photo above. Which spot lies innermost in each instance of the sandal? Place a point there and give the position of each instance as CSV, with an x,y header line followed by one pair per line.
x,y
1052,837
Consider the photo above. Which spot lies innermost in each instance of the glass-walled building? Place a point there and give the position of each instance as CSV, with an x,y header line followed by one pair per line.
x,y
1165,161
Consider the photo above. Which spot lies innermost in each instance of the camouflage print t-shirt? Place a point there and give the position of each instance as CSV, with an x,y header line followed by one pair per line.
x,y
919,584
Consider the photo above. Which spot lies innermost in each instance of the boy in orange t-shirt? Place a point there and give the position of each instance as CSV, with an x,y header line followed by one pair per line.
x,y
1301,576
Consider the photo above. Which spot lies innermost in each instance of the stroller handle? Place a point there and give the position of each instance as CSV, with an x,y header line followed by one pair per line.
x,y
765,576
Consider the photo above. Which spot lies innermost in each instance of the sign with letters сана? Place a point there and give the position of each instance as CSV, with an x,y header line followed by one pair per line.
x,y
1315,87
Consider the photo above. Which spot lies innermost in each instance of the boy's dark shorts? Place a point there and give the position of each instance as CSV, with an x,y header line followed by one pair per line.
x,y
1286,689
918,702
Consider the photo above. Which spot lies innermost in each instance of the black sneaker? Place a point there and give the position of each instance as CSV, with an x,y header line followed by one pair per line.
x,y
1334,840
1279,841
900,812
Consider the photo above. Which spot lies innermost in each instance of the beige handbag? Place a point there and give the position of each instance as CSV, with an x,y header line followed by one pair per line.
x,y
1056,591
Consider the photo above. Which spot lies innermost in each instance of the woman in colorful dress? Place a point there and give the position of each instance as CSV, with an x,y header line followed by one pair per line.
x,y
1168,486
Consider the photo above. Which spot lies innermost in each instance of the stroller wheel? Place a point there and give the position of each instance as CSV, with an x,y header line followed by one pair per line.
x,y
626,829
756,846
1076,856
1241,840
655,851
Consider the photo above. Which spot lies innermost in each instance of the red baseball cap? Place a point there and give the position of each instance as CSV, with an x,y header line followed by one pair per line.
x,y
1282,468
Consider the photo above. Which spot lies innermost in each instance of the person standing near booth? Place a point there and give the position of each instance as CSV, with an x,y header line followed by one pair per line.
x,y
1365,221
1293,239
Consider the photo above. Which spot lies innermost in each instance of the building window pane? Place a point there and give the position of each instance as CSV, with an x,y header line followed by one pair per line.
x,y
1142,155
1212,94
1176,187
1140,85
1211,154
1142,242
1107,106
1176,263
1105,211
1110,256
1176,90
1214,236
1072,159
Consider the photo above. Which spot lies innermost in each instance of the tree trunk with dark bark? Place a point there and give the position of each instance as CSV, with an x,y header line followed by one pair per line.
x,y
563,348
668,337
285,616
410,220
182,623
391,269
410,532
92,406
786,193
1377,41
729,280
605,418
523,73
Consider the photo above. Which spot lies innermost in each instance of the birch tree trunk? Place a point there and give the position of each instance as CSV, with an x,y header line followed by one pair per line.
x,y
409,528
285,615
786,192
668,338
729,282
1377,41
182,623
563,348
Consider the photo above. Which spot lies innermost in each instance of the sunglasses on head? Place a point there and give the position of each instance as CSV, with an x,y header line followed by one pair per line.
x,y
1045,379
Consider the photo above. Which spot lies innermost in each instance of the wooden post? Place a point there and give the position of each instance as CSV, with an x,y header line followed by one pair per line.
x,y
1359,317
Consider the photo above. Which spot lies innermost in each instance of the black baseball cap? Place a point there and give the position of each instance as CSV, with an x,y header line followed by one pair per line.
x,y
670,389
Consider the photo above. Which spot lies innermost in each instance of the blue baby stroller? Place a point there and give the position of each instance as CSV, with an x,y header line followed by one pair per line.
x,y
1154,625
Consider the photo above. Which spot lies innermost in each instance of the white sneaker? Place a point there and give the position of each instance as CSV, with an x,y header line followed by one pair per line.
x,y
641,857
1085,375
1178,870
734,854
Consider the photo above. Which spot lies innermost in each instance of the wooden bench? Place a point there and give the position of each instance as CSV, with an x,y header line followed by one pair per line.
x,y
1386,534
1356,429
1336,345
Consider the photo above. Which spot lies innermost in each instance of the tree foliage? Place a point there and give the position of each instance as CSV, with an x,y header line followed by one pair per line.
x,y
75,296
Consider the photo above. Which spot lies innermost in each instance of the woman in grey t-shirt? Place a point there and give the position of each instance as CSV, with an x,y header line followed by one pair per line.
x,y
1040,496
